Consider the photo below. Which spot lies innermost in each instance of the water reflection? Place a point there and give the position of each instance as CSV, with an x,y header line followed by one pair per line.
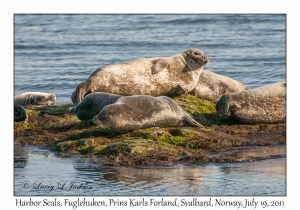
x,y
43,168
20,157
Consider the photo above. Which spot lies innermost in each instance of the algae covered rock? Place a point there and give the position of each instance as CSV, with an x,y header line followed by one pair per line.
x,y
58,128
201,110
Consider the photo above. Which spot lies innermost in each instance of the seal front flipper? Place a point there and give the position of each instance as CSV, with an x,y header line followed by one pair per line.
x,y
158,65
189,121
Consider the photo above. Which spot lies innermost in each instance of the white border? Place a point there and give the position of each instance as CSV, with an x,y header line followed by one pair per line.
x,y
8,8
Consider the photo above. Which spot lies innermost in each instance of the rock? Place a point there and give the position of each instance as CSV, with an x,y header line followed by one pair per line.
x,y
221,141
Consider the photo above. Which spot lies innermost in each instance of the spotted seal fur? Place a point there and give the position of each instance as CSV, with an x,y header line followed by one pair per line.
x,y
146,76
265,104
143,111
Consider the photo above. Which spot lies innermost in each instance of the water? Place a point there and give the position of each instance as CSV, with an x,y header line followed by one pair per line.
x,y
54,53
42,167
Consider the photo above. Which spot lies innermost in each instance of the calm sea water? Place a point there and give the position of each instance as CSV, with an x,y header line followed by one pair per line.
x,y
54,53
37,167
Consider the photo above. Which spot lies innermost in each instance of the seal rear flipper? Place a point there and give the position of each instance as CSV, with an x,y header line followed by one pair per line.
x,y
189,121
158,65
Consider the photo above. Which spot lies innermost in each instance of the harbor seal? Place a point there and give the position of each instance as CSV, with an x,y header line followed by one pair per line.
x,y
265,104
212,86
93,103
20,114
35,98
143,111
146,76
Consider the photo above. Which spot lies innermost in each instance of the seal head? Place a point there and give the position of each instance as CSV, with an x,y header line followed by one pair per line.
x,y
93,103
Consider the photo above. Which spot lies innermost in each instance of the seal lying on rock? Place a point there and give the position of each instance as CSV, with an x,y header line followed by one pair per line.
x,y
146,76
142,111
93,103
20,114
212,86
266,104
35,98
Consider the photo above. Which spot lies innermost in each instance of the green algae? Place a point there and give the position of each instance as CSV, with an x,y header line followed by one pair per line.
x,y
183,132
71,119
194,104
84,124
201,110
88,133
30,112
115,150
55,109
181,137
99,148
81,146
23,125
177,137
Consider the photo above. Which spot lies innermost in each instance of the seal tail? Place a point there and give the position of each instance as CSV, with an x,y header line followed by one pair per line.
x,y
20,114
189,121
222,105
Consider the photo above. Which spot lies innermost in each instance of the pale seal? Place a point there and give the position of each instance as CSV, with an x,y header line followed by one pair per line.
x,y
20,114
265,104
93,103
212,86
143,111
146,76
35,98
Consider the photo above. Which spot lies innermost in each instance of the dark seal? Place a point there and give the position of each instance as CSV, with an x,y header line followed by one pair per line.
x,y
212,86
146,76
20,114
93,103
266,104
142,111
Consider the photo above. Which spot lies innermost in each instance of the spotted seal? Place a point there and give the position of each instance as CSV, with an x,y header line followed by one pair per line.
x,y
20,114
146,76
35,98
143,111
265,104
212,86
93,103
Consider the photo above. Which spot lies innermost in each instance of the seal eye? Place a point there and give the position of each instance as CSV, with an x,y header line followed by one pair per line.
x,y
196,53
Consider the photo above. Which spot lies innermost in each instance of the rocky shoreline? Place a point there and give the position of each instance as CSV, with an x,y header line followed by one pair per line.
x,y
222,140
